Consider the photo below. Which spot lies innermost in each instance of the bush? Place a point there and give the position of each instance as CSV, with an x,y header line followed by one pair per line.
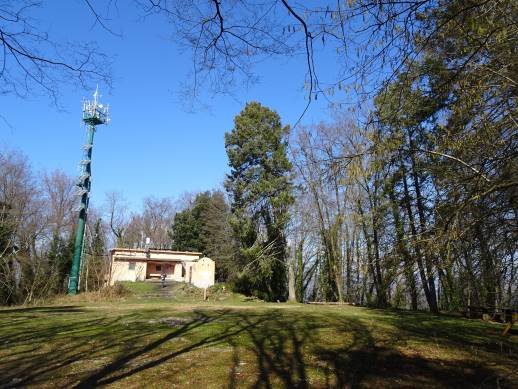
x,y
117,290
248,286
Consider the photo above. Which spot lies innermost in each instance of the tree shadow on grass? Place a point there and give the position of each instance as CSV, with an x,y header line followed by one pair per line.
x,y
105,375
278,345
34,349
45,309
365,363
7,315
269,348
384,367
291,352
458,332
30,360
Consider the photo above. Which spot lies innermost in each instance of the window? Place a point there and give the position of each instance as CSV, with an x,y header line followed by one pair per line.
x,y
131,266
158,267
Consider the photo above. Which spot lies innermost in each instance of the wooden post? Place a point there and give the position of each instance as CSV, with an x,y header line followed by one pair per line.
x,y
204,294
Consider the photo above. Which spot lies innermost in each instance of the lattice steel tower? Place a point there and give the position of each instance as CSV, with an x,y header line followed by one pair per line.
x,y
94,114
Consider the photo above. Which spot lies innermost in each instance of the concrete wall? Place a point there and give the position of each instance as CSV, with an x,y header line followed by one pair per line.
x,y
127,271
178,272
203,273
137,265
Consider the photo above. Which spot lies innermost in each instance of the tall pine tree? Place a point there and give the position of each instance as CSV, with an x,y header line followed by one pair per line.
x,y
261,193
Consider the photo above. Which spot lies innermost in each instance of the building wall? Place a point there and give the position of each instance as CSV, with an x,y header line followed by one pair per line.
x,y
178,272
127,271
136,266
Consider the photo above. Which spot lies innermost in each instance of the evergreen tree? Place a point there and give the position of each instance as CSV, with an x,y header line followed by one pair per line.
x,y
186,232
205,228
95,267
59,257
261,192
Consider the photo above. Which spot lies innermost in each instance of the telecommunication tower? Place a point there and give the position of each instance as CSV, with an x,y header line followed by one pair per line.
x,y
94,114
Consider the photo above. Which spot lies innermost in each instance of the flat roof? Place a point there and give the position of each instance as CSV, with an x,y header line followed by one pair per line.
x,y
133,259
156,251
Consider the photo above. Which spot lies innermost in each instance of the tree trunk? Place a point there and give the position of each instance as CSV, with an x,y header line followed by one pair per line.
x,y
487,267
300,271
422,223
375,273
348,264
292,296
429,294
403,252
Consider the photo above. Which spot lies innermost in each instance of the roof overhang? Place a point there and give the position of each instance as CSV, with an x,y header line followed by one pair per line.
x,y
124,254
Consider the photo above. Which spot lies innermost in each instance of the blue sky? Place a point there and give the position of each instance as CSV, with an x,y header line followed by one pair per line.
x,y
152,147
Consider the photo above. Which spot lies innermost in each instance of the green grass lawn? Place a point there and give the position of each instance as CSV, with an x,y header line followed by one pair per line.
x,y
168,342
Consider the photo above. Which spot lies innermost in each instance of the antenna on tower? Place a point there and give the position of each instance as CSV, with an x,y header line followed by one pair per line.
x,y
96,93
95,113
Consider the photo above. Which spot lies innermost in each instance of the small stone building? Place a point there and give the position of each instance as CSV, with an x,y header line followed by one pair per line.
x,y
150,264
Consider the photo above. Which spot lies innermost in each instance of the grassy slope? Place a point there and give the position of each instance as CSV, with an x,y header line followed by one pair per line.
x,y
173,342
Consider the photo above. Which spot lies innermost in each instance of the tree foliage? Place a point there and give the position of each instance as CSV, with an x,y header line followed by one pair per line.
x,y
205,227
261,193
421,198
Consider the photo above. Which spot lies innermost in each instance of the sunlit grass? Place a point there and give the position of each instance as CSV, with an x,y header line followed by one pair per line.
x,y
161,343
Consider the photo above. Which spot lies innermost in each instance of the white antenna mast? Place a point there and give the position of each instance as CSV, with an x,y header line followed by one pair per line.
x,y
96,94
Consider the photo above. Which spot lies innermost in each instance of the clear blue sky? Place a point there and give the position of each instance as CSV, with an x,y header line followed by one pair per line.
x,y
152,146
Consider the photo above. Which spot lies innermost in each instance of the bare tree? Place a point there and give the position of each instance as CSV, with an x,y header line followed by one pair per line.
x,y
19,222
157,218
370,41
116,210
33,62
58,193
